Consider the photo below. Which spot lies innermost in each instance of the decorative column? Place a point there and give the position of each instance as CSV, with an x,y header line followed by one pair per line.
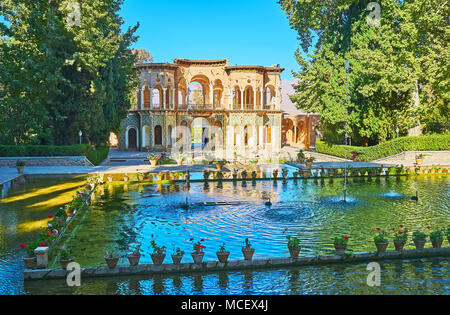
x,y
242,98
261,99
254,99
164,98
295,132
173,98
211,95
142,98
151,97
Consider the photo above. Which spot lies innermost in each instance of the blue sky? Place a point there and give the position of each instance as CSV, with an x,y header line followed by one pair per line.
x,y
247,32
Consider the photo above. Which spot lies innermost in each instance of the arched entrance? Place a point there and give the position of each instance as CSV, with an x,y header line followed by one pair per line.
x,y
158,135
132,139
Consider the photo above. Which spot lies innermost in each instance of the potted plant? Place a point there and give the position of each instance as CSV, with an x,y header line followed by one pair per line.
x,y
419,239
400,238
437,238
153,158
419,159
140,176
354,156
275,174
340,244
135,256
223,254
284,173
381,241
244,175
254,176
198,253
296,175
111,258
294,246
331,172
309,162
219,165
220,176
159,254
177,256
30,259
301,157
61,217
247,250
235,175
254,160
206,175
179,158
65,257
399,170
20,165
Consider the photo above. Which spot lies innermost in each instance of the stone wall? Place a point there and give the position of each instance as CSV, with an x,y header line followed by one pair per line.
x,y
46,161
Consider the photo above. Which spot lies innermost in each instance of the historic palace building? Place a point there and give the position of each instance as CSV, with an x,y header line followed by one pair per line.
x,y
236,109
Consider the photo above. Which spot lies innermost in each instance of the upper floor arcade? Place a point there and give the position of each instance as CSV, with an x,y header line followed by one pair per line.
x,y
211,85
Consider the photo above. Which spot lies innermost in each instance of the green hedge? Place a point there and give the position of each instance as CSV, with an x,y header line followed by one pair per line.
x,y
396,146
95,155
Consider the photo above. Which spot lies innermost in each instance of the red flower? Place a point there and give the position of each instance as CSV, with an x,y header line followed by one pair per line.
x,y
401,226
23,246
48,233
152,235
428,227
378,229
191,240
393,229
202,240
346,237
42,244
50,216
69,226
400,232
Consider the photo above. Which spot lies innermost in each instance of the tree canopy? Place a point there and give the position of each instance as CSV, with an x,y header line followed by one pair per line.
x,y
65,66
399,71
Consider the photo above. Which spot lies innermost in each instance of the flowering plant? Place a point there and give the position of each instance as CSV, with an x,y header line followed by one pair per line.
x,y
158,249
293,241
222,249
401,236
153,157
179,156
436,235
178,252
341,240
198,247
29,248
420,156
64,253
310,159
380,238
419,236
247,243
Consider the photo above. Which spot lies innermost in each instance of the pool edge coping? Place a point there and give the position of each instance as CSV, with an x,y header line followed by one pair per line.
x,y
235,265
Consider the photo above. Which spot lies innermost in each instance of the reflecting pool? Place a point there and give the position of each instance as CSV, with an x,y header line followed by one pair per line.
x,y
126,215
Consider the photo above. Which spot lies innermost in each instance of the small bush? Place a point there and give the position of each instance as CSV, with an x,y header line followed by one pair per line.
x,y
396,146
95,155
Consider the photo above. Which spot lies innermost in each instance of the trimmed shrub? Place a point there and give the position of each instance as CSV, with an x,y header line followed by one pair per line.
x,y
95,155
396,146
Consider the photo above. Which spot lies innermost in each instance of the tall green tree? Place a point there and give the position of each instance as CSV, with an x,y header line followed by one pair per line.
x,y
59,77
382,95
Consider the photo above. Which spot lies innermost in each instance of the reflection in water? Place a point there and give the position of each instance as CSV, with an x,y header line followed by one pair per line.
x,y
408,277
126,215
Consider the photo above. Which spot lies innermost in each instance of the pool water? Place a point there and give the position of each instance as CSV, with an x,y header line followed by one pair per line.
x,y
128,215
24,210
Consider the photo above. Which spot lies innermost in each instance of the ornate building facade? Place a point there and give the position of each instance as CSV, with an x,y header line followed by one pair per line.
x,y
232,108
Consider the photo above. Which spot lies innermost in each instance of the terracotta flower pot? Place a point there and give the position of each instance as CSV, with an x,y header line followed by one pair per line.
x,y
30,262
65,262
223,257
134,259
295,251
112,262
141,178
419,161
399,246
177,259
437,244
340,249
381,248
158,259
420,244
153,163
198,257
309,164
248,253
